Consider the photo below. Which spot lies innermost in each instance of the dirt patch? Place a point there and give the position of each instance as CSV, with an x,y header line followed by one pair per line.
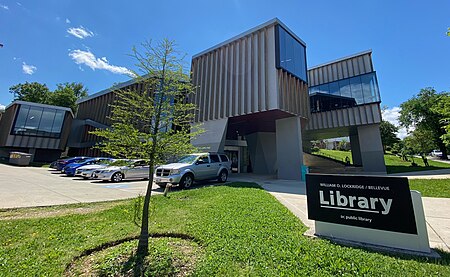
x,y
168,256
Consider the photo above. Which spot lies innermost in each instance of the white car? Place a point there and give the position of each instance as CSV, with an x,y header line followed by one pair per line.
x,y
194,167
87,171
134,169
436,153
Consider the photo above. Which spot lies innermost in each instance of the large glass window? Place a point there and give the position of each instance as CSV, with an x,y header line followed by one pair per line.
x,y
291,54
345,93
38,121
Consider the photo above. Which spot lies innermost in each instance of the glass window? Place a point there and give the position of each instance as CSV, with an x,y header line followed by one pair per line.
x,y
33,119
203,159
334,88
345,93
214,158
344,88
48,116
324,88
357,94
370,88
291,54
57,124
38,121
224,158
21,119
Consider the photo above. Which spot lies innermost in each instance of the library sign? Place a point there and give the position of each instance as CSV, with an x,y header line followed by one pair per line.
x,y
382,203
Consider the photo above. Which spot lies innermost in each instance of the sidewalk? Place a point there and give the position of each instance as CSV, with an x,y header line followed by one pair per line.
x,y
292,194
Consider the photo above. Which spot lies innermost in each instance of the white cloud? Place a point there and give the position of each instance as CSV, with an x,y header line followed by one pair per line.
x,y
67,21
391,115
89,59
4,7
80,32
28,69
2,107
19,4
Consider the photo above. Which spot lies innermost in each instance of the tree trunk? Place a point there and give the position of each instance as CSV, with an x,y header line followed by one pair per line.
x,y
443,150
142,249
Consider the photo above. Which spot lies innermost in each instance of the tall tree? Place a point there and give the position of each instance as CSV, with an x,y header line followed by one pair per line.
x,y
388,133
67,94
31,92
443,108
154,122
420,142
420,112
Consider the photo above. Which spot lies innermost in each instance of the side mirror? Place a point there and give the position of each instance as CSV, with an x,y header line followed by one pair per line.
x,y
197,163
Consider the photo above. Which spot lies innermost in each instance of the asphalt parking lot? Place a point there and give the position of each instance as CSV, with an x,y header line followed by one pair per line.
x,y
32,186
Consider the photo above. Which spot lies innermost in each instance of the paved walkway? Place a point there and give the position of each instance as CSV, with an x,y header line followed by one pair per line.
x,y
292,195
31,187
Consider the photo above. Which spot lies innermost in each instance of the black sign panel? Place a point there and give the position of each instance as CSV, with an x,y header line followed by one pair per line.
x,y
382,203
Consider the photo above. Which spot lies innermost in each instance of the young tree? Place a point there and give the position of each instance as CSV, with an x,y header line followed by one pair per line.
x,y
388,133
31,92
420,112
67,94
154,122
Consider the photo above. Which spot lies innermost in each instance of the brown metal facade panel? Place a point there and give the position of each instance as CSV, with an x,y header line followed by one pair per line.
x,y
6,123
65,132
293,94
342,69
355,116
232,80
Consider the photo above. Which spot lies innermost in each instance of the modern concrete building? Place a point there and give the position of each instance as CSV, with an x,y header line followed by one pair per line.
x,y
38,129
253,100
258,103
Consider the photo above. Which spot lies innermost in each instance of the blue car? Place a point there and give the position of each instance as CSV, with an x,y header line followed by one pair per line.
x,y
70,169
60,164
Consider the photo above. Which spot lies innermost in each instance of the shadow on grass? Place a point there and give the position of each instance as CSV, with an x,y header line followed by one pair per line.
x,y
135,262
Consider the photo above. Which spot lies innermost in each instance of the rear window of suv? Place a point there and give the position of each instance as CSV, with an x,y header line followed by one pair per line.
x,y
224,158
214,158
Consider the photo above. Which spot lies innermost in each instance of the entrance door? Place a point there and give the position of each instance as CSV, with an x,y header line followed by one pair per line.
x,y
234,157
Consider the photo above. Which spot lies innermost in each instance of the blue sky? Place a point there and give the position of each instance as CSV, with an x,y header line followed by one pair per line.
x,y
55,41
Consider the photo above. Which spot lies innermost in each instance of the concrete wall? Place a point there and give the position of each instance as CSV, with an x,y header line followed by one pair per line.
x,y
289,148
262,148
356,152
371,148
213,139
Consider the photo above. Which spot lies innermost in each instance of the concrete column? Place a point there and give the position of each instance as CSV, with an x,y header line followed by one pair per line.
x,y
289,148
356,152
371,148
213,139
262,148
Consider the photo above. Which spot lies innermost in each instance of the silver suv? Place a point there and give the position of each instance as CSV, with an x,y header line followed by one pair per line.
x,y
194,167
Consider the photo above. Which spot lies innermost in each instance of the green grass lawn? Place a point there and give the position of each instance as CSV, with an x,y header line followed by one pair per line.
x,y
393,163
241,229
431,187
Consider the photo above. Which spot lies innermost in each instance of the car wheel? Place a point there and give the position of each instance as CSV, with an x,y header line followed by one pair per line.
x,y
187,181
117,177
223,176
85,178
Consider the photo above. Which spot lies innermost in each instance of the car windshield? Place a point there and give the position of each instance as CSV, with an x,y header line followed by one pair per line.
x,y
188,159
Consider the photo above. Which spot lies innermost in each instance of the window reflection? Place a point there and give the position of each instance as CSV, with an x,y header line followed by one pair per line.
x,y
345,93
291,54
37,121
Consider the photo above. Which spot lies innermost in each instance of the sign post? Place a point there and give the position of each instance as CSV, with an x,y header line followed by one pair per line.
x,y
367,209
